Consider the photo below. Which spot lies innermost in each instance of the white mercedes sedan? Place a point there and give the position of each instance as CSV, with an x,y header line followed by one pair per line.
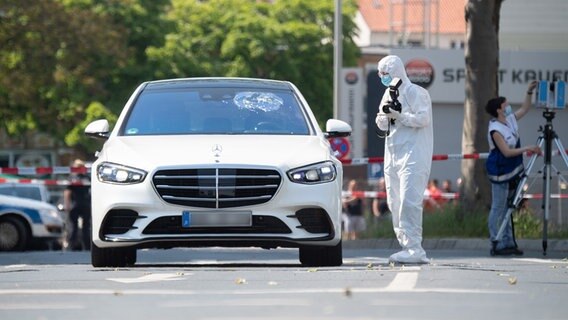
x,y
202,162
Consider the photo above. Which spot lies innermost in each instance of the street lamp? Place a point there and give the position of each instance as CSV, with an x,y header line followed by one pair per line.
x,y
337,57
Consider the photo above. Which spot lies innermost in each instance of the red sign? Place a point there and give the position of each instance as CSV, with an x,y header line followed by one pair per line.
x,y
420,72
341,147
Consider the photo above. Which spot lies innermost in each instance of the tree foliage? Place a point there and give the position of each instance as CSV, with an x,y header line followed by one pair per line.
x,y
53,62
64,61
288,40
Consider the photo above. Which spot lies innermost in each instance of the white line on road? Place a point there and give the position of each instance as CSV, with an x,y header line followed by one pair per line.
x,y
537,260
150,278
239,292
403,282
39,306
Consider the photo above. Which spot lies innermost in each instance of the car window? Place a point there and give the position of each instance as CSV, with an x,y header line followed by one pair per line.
x,y
22,192
216,111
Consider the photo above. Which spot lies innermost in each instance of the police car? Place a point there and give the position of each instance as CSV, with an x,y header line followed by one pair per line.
x,y
25,221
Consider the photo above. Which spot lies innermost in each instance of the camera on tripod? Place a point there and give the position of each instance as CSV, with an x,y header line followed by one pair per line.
x,y
393,103
550,94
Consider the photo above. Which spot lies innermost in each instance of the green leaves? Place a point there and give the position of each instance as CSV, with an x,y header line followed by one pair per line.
x,y
60,60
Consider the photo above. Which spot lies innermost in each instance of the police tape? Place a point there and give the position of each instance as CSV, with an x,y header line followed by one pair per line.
x,y
27,171
30,171
383,195
444,195
83,169
436,157
47,182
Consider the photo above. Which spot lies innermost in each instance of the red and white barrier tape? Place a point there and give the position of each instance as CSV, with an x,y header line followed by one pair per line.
x,y
383,195
447,195
436,157
47,182
85,170
43,170
68,170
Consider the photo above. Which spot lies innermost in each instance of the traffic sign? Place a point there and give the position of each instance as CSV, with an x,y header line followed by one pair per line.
x,y
341,147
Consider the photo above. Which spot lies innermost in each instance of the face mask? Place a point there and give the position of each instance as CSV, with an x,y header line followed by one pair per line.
x,y
386,80
508,110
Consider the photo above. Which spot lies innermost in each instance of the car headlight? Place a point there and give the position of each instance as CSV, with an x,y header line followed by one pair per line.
x,y
115,173
312,174
50,217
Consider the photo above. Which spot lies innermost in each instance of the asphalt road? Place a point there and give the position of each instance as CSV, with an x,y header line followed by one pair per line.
x,y
218,283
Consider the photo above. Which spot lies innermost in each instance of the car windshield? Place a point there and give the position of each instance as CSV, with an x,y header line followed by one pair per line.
x,y
216,111
21,192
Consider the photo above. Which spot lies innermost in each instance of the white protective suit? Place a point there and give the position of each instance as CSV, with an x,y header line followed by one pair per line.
x,y
408,159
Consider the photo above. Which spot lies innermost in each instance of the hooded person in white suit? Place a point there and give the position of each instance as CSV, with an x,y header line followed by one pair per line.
x,y
408,157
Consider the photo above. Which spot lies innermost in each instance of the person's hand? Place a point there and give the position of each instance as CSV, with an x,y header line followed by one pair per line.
x,y
382,116
532,86
394,114
533,149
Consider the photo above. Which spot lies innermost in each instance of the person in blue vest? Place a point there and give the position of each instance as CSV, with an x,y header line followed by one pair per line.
x,y
505,166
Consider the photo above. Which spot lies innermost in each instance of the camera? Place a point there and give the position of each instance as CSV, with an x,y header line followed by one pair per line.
x,y
393,103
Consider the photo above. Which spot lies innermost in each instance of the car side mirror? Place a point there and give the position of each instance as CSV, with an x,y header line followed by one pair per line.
x,y
98,129
336,128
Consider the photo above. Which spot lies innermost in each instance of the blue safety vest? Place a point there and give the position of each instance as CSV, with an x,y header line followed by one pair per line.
x,y
501,169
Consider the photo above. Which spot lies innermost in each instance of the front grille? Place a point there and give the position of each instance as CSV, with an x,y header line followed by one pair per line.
x,y
173,225
216,187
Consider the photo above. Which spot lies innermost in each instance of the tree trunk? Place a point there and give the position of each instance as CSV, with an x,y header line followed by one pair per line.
x,y
482,66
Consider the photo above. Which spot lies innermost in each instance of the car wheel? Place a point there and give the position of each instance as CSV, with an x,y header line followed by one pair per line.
x,y
112,257
13,234
321,256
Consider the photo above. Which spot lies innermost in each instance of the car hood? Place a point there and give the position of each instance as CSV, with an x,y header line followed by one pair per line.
x,y
148,152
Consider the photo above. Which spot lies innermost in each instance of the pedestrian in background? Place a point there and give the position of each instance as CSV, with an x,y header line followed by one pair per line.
x,y
354,219
77,204
380,206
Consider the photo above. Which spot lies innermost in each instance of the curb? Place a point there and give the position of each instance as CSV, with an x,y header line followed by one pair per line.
x,y
452,244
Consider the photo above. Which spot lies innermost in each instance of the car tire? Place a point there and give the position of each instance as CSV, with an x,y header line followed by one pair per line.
x,y
14,235
321,256
112,257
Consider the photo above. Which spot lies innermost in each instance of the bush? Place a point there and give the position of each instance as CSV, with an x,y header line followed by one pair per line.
x,y
449,222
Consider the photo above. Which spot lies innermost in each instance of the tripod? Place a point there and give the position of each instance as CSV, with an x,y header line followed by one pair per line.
x,y
547,137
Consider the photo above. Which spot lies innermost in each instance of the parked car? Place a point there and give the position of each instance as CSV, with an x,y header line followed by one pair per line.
x,y
26,222
32,191
216,162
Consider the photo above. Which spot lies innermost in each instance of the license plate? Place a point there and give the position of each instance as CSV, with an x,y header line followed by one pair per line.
x,y
191,219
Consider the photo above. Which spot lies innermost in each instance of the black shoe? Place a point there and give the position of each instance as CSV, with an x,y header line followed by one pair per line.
x,y
508,251
516,251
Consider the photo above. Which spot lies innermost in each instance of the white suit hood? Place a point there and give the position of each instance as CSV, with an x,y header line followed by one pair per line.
x,y
394,66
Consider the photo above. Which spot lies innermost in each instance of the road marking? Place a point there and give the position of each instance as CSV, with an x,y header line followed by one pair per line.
x,y
537,260
15,266
150,278
403,282
239,303
240,292
39,306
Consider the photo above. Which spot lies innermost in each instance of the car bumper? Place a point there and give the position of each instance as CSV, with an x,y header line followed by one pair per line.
x,y
297,215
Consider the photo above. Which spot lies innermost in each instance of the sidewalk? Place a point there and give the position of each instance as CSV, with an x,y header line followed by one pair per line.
x,y
451,244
